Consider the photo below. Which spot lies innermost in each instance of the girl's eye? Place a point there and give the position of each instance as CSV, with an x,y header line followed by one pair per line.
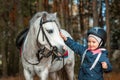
x,y
89,41
50,31
94,42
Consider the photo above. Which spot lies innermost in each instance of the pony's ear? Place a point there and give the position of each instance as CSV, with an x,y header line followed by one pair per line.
x,y
55,14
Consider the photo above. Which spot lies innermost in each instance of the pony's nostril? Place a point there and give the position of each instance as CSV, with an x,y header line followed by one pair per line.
x,y
60,49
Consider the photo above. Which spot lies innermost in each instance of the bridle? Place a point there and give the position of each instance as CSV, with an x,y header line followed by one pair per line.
x,y
40,54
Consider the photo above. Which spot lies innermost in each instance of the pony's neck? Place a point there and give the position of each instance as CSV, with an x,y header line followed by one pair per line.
x,y
30,46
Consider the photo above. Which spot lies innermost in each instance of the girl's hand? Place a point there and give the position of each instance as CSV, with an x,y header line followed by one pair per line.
x,y
63,37
104,65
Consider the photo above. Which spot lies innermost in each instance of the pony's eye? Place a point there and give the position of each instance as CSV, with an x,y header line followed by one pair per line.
x,y
50,31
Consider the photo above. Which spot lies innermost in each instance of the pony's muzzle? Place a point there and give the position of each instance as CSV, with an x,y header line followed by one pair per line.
x,y
59,49
62,50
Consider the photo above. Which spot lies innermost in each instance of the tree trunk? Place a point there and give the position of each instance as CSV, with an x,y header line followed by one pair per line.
x,y
39,5
95,13
19,26
46,6
3,39
107,24
81,16
66,15
4,59
62,14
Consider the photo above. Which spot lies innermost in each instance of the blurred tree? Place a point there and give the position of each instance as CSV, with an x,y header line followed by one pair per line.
x,y
4,35
20,24
107,24
115,24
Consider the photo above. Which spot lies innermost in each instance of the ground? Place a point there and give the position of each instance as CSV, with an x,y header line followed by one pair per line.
x,y
108,76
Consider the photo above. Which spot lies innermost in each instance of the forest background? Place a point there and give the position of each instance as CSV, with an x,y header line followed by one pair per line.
x,y
75,16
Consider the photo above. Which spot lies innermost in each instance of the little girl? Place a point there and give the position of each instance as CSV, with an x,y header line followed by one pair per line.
x,y
94,58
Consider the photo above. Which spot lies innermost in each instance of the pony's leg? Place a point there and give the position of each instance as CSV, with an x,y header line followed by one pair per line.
x,y
70,70
54,76
28,75
43,74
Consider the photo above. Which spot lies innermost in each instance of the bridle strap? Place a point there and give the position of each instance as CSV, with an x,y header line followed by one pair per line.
x,y
43,32
41,51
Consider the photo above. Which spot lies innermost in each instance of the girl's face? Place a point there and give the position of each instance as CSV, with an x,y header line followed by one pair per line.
x,y
92,43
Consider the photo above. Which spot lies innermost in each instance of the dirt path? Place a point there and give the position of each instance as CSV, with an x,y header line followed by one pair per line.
x,y
109,76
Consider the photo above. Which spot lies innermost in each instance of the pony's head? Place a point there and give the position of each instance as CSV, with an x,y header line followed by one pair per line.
x,y
45,27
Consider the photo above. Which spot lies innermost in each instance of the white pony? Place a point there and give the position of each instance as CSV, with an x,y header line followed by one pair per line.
x,y
43,52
